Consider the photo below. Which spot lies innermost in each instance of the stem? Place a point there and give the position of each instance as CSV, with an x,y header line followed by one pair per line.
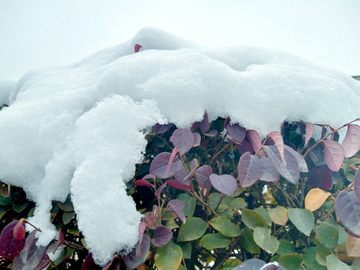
x,y
223,149
194,194
287,197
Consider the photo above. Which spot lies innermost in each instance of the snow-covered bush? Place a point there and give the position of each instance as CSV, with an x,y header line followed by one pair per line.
x,y
75,134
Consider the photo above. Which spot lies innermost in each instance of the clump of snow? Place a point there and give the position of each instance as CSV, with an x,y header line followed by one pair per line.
x,y
79,129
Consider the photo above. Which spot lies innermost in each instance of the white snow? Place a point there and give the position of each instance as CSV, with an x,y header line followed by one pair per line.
x,y
79,129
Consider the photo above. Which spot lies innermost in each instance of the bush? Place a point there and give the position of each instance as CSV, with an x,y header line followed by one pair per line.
x,y
216,196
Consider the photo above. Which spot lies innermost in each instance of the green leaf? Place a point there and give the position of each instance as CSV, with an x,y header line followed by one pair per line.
x,y
291,261
333,263
186,249
168,257
5,201
193,229
327,234
224,210
237,203
285,247
247,241
20,207
171,224
310,261
272,246
303,219
189,202
214,199
322,253
252,219
279,215
67,217
225,226
231,264
262,211
342,232
214,240
262,236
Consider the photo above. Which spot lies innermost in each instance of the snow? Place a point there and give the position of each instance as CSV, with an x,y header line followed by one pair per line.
x,y
79,129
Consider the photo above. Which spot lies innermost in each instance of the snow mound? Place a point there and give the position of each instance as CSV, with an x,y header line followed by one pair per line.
x,y
79,129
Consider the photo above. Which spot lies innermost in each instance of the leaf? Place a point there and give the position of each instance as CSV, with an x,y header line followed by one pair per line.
x,y
315,199
333,263
334,154
193,229
230,264
89,263
244,147
159,129
204,124
291,261
178,185
351,142
352,245
177,206
347,208
285,247
254,139
328,235
10,246
252,219
309,133
19,230
237,203
272,246
183,176
320,177
279,142
131,260
168,257
171,159
202,176
268,171
225,226
301,161
189,202
144,183
252,264
357,184
226,184
183,139
262,236
115,264
247,241
214,240
279,215
249,169
160,189
197,139
291,171
162,236
32,256
310,261
303,219
160,163
236,132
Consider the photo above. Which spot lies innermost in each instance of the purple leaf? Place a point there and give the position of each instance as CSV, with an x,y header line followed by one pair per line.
x,y
10,247
89,263
249,169
115,264
335,177
252,264
131,260
153,215
244,147
357,184
160,189
268,172
183,139
347,208
178,185
160,163
309,133
193,167
159,129
351,142
226,184
204,124
320,177
197,139
236,132
202,176
171,159
301,161
181,176
254,140
143,183
211,133
334,154
162,236
291,171
143,225
177,206
279,142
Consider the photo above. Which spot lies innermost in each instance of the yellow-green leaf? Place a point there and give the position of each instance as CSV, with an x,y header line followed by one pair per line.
x,y
193,229
168,257
225,226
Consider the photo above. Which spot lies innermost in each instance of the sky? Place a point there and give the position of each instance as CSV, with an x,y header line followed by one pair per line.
x,y
41,33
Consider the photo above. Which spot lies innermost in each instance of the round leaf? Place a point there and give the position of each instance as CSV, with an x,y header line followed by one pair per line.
x,y
193,229
262,236
249,169
315,199
183,139
347,208
202,176
236,132
268,171
334,154
168,257
10,246
226,184
252,219
160,163
291,261
351,142
328,235
279,215
225,226
320,177
162,236
303,220
214,240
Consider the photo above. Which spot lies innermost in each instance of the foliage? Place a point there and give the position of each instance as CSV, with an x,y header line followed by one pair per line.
x,y
217,196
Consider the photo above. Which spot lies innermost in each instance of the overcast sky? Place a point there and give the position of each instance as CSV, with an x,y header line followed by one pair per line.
x,y
41,33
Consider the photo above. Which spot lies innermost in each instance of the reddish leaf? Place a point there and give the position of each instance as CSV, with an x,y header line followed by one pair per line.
x,y
357,184
137,48
162,236
268,171
320,177
115,264
160,189
202,176
131,260
197,139
236,132
334,154
279,142
183,139
5,191
160,163
176,184
159,129
19,230
254,140
244,147
249,169
173,154
143,183
89,263
309,133
351,142
226,184
10,247
60,241
177,206
142,227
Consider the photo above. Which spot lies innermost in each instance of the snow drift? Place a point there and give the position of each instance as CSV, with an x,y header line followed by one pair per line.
x,y
79,129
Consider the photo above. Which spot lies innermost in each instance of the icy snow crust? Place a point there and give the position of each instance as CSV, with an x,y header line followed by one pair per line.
x,y
79,129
